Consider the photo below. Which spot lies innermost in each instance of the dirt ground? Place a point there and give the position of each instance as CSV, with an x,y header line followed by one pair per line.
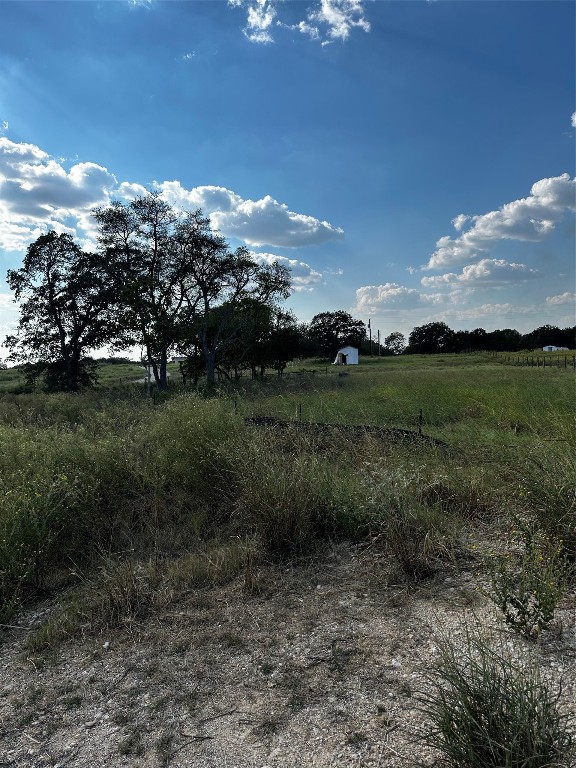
x,y
321,667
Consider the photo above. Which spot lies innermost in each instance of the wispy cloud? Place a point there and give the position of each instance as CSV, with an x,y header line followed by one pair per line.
x,y
562,298
529,219
326,21
335,20
304,277
260,15
486,273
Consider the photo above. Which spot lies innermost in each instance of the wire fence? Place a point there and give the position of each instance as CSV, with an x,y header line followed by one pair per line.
x,y
567,362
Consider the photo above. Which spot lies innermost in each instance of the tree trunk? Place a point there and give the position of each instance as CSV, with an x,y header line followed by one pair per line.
x,y
163,377
210,360
72,373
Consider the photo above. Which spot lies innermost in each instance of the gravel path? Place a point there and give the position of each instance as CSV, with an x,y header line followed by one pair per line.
x,y
320,668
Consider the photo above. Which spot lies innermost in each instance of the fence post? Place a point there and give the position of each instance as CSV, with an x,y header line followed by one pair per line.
x,y
420,422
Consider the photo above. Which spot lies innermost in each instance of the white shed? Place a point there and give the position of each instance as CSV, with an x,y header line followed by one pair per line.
x,y
347,356
552,348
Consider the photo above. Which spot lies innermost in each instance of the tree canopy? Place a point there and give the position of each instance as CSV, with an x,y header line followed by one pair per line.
x,y
432,337
329,331
67,307
162,279
395,342
179,282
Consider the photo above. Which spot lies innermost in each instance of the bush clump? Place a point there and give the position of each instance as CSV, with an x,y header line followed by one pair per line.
x,y
528,588
489,710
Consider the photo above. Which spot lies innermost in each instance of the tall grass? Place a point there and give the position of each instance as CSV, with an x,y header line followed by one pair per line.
x,y
88,476
489,709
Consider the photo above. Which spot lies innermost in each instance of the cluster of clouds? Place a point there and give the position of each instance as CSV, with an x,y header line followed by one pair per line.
x,y
529,219
410,307
255,222
37,193
304,277
327,21
487,272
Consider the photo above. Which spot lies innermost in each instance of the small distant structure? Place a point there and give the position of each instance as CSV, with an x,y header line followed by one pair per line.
x,y
346,356
178,358
552,348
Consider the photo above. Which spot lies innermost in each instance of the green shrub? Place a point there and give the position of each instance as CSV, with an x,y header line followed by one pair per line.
x,y
185,444
291,499
417,533
528,588
546,489
489,710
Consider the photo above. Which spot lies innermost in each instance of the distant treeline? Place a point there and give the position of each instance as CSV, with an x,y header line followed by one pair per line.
x,y
438,337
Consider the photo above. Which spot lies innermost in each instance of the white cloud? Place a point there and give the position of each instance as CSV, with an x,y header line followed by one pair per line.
x,y
562,298
255,222
261,14
304,277
500,312
528,219
37,193
460,221
487,272
4,126
338,18
374,298
573,120
326,20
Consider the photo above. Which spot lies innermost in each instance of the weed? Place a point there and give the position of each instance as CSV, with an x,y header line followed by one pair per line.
x,y
489,710
414,533
164,746
125,591
527,590
355,738
131,745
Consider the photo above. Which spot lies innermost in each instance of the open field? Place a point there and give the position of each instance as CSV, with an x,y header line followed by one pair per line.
x,y
179,587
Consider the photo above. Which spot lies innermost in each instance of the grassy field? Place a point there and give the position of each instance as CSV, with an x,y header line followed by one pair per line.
x,y
111,469
121,503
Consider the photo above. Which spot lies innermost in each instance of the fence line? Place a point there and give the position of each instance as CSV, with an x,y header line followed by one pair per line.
x,y
537,362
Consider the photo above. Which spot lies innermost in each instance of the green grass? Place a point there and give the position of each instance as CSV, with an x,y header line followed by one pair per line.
x,y
109,471
489,709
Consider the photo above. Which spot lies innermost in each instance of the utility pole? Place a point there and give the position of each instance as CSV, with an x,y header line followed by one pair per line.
x,y
379,352
370,332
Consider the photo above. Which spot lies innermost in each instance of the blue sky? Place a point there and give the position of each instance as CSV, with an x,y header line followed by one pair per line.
x,y
412,161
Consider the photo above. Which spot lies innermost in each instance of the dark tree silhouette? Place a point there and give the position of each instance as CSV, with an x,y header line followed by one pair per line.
x,y
67,307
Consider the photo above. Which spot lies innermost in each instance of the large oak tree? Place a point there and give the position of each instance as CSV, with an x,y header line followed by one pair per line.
x,y
179,282
329,331
68,307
